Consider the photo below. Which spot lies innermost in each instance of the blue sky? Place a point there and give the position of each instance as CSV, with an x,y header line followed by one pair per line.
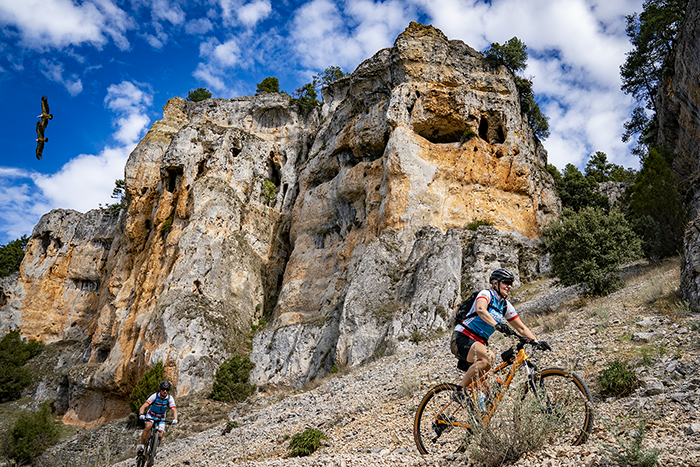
x,y
109,66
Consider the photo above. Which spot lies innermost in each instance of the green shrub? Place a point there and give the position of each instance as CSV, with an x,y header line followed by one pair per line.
x,y
269,84
167,225
476,223
518,426
198,94
269,191
11,255
589,246
306,443
630,451
305,98
231,380
656,210
30,435
147,386
618,379
14,353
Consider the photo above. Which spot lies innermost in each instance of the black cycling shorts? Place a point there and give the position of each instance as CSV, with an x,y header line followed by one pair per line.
x,y
460,345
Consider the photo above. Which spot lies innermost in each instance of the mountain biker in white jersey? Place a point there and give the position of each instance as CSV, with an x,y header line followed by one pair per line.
x,y
157,405
489,312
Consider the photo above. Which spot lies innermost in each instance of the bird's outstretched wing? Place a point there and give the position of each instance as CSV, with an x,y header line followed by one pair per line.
x,y
40,139
45,113
39,149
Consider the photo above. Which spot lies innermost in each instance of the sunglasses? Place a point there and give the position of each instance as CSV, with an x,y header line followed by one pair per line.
x,y
510,283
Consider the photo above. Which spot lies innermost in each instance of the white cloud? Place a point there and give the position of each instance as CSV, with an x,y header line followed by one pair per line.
x,y
198,26
218,59
130,102
323,34
54,71
164,10
61,23
251,13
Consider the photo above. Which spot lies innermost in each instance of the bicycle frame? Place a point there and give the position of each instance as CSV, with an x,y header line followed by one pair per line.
x,y
521,359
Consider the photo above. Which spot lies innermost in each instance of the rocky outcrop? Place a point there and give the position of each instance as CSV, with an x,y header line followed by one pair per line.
x,y
679,130
343,229
422,134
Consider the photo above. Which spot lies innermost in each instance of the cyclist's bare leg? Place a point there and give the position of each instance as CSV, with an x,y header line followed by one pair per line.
x,y
146,431
482,357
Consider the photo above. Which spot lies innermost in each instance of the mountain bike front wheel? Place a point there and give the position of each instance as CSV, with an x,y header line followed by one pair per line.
x,y
154,449
566,403
441,425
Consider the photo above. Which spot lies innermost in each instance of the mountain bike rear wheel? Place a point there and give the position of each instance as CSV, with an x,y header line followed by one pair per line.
x,y
566,402
441,425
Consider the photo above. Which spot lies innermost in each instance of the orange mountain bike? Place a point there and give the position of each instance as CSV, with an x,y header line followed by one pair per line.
x,y
444,419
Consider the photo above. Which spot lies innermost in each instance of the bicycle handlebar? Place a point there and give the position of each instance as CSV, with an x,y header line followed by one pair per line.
x,y
508,331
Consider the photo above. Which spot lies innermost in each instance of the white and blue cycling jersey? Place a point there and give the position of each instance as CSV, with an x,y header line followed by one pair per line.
x,y
157,406
500,310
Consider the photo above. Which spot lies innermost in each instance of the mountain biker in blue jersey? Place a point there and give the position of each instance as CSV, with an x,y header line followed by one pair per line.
x,y
157,405
489,313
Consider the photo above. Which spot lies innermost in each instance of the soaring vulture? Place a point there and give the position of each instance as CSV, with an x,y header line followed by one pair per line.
x,y
41,125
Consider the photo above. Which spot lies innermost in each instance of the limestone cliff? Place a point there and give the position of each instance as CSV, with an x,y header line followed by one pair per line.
x,y
422,134
679,130
343,228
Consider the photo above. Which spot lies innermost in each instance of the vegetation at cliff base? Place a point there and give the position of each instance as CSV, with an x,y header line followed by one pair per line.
x,y
589,246
30,435
231,380
147,386
656,210
11,255
269,84
14,353
199,94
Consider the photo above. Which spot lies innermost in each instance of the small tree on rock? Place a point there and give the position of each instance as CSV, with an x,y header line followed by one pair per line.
x,y
269,84
198,94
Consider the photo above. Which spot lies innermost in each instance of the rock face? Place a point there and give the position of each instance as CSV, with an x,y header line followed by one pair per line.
x,y
343,229
679,130
422,134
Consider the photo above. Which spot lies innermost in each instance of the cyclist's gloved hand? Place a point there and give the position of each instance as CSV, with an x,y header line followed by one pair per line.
x,y
542,345
142,416
504,329
175,422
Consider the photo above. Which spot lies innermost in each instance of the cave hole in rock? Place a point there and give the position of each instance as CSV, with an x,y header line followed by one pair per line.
x,y
173,178
201,167
273,171
60,405
484,129
101,354
442,130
